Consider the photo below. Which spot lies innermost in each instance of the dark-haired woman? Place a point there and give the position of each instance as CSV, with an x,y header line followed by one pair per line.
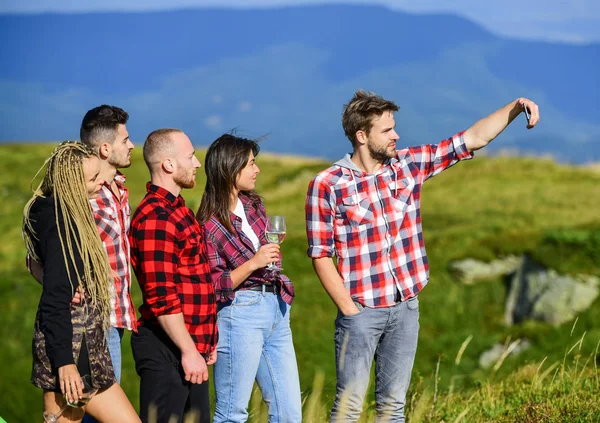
x,y
253,303
69,339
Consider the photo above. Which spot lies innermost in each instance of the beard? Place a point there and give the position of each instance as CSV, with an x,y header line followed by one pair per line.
x,y
184,179
380,154
119,162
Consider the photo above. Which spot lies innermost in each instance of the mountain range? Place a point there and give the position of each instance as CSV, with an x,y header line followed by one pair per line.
x,y
287,72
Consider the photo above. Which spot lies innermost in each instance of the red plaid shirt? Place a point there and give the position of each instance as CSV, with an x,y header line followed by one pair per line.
x,y
169,260
372,222
227,251
112,220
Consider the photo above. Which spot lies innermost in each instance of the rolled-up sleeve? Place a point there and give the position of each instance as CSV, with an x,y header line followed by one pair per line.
x,y
320,217
434,158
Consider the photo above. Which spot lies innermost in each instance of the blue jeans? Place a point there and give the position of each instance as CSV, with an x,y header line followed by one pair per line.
x,y
113,339
255,343
388,335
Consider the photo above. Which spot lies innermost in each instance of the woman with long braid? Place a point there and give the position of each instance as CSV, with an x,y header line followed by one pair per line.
x,y
69,342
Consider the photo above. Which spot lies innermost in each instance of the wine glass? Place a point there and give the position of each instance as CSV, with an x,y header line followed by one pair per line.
x,y
275,233
88,392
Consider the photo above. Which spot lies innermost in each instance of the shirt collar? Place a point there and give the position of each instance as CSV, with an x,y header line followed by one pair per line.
x,y
236,208
119,181
246,202
120,178
166,194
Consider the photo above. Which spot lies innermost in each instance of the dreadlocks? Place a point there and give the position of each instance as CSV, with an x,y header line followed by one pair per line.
x,y
64,180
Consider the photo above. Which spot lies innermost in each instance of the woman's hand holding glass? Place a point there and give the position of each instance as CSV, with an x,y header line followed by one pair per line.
x,y
266,255
71,384
77,391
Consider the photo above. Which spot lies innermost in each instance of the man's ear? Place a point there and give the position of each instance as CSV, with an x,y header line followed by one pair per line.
x,y
361,137
168,165
104,150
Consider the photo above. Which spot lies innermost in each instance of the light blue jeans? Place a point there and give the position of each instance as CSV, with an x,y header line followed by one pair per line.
x,y
388,335
113,338
255,343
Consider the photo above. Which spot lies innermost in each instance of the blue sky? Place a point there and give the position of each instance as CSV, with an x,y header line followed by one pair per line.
x,y
572,21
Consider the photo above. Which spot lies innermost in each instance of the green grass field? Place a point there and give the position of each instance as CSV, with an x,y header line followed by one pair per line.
x,y
484,208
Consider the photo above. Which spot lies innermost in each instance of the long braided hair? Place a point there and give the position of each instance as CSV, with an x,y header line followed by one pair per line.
x,y
64,180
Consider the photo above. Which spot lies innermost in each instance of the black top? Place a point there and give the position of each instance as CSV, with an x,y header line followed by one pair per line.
x,y
55,304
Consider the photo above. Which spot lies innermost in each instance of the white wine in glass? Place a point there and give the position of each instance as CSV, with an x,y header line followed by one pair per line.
x,y
275,234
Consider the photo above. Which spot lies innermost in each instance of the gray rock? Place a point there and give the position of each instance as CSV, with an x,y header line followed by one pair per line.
x,y
537,293
491,356
470,271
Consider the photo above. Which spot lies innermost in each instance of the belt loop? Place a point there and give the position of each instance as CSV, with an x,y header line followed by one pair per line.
x,y
264,289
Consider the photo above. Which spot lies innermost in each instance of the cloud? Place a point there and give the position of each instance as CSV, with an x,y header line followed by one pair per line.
x,y
214,122
244,106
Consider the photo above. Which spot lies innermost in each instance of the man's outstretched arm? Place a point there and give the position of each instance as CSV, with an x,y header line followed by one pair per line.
x,y
485,130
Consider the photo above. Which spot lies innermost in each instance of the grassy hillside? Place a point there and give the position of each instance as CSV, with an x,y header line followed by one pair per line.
x,y
484,208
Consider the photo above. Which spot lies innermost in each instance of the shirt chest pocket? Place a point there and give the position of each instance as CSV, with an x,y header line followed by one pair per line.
x,y
402,195
356,211
190,255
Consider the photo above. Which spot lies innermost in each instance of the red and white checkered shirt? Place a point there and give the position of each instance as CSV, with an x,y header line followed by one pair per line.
x,y
112,220
372,222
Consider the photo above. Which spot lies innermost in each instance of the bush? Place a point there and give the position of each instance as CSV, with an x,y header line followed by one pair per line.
x,y
570,250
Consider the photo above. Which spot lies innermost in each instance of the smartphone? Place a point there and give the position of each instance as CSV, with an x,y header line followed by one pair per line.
x,y
527,113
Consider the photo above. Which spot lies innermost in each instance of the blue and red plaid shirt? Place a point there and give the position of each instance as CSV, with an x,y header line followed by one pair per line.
x,y
169,260
112,216
372,222
227,251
